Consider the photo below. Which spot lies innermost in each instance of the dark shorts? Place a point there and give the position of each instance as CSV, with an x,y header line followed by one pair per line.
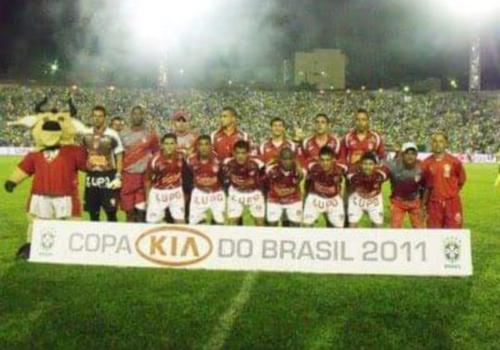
x,y
96,195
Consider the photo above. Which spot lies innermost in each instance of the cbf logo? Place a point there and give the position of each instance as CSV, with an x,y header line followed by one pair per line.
x,y
47,241
452,251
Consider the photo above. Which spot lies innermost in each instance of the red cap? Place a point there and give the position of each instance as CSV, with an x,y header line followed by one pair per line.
x,y
180,115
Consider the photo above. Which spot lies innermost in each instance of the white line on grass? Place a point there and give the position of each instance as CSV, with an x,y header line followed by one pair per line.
x,y
226,322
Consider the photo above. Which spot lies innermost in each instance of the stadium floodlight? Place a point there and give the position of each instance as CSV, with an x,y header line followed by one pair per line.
x,y
54,67
380,90
363,88
156,23
453,83
230,82
406,88
473,11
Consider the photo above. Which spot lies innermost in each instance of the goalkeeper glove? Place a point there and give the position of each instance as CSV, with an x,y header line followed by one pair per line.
x,y
116,183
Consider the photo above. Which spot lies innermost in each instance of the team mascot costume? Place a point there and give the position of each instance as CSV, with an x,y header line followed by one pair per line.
x,y
53,165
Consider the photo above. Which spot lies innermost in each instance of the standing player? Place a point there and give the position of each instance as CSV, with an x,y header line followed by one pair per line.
x,y
164,176
322,137
366,182
117,124
207,194
224,139
104,167
139,143
270,149
407,187
323,185
243,175
284,196
186,138
361,140
444,177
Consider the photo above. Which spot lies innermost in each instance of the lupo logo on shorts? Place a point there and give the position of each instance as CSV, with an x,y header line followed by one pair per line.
x,y
174,246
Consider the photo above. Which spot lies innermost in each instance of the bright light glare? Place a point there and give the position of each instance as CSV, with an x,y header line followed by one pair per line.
x,y
472,8
158,22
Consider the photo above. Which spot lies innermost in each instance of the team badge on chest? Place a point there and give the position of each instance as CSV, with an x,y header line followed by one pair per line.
x,y
447,170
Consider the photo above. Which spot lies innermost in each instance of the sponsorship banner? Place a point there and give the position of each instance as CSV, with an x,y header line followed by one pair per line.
x,y
312,250
464,158
14,151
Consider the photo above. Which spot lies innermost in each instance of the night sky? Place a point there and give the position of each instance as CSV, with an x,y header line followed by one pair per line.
x,y
388,42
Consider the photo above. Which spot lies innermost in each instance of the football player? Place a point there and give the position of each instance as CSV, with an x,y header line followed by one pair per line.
x,y
207,195
406,178
311,146
366,181
444,177
323,186
284,196
224,139
139,143
270,149
104,167
164,176
243,176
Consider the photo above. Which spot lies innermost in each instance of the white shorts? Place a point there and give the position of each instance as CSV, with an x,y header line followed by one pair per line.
x,y
48,207
293,212
316,205
161,200
202,201
237,201
373,206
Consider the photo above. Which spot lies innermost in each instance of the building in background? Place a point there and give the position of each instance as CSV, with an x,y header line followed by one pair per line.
x,y
324,68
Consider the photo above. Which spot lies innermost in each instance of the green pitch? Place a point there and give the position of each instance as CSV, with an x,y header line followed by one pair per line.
x,y
74,307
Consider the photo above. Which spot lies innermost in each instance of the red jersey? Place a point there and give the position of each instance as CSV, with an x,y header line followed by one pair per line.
x,y
205,172
165,173
367,186
325,183
310,147
223,143
284,186
139,147
444,177
269,151
243,177
56,171
352,148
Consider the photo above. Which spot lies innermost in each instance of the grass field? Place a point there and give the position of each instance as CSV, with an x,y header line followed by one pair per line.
x,y
74,307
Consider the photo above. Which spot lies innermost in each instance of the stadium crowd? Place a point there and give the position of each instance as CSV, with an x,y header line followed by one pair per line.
x,y
469,119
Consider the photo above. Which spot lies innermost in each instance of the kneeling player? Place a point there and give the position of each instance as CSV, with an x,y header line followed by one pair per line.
x,y
367,196
244,176
323,184
284,178
164,176
207,194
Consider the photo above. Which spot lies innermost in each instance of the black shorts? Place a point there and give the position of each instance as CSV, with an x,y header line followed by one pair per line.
x,y
97,195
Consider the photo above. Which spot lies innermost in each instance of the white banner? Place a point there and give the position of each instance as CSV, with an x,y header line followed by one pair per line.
x,y
14,151
313,250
